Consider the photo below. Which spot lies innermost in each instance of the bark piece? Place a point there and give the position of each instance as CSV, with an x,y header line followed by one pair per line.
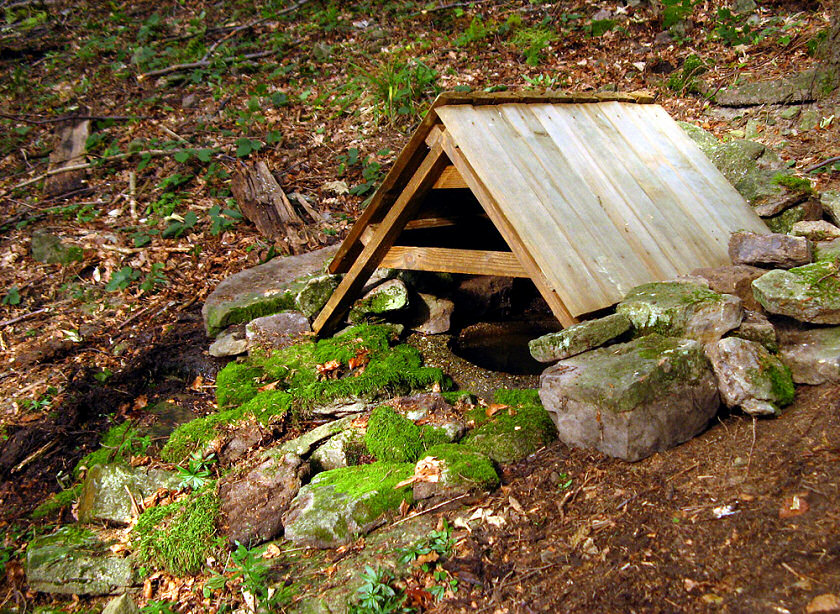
x,y
262,200
71,137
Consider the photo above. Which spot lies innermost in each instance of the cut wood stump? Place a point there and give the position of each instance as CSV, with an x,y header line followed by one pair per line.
x,y
71,138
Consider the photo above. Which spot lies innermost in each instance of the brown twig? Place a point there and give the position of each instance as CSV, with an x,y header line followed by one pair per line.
x,y
25,316
811,169
55,120
431,509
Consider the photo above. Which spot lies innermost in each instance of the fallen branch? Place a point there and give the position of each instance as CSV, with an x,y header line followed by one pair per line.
x,y
811,169
25,316
55,120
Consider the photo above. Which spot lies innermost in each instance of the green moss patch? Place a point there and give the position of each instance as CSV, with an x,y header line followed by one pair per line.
x,y
118,445
508,438
465,465
374,483
236,384
394,438
180,536
57,501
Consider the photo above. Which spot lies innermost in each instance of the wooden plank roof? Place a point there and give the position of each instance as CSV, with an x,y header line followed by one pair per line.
x,y
594,195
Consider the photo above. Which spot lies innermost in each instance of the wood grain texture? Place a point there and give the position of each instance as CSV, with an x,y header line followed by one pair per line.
x,y
448,260
449,178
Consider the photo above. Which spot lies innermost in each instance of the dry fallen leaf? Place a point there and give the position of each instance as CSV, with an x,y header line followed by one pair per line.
x,y
827,602
271,551
426,470
328,370
197,383
422,559
140,402
268,386
360,360
494,408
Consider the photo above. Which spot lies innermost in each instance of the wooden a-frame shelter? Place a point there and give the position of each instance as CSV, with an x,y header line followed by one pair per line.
x,y
586,195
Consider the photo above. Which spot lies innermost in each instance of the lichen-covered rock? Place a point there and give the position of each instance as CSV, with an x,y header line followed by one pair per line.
x,y
105,490
681,309
809,293
794,89
278,330
750,377
338,505
462,470
432,315
817,230
513,434
315,294
634,399
830,201
392,437
252,504
74,561
827,251
812,355
384,299
776,250
756,327
123,604
302,445
266,289
52,250
733,279
579,338
230,342
784,221
342,450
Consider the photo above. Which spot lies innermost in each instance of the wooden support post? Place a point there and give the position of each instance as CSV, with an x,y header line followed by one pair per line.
x,y
403,209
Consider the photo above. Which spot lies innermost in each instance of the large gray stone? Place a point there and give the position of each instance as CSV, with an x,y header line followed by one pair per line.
x,y
303,445
809,293
386,298
750,377
816,230
52,250
681,309
269,288
735,279
105,490
830,201
252,504
579,338
783,222
74,561
776,250
342,450
827,251
634,399
456,470
277,331
123,604
794,89
340,504
756,327
812,355
230,342
432,315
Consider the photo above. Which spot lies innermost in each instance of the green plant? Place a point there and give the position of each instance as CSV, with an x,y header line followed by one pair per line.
x,y
474,32
158,607
532,42
398,87
40,403
685,80
222,219
120,280
12,296
734,29
371,169
376,595
544,81
598,27
177,226
439,542
197,472
246,146
676,11
564,481
154,278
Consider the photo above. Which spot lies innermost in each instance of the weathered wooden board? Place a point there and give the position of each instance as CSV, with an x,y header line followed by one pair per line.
x,y
447,260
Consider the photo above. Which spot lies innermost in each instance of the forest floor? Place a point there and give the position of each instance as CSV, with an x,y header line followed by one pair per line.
x,y
744,518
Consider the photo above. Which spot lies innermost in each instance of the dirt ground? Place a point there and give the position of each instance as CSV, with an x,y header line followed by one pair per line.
x,y
741,519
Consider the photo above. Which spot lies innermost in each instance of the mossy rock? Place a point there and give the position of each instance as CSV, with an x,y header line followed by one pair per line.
x,y
104,494
75,561
827,251
52,250
463,470
515,433
118,445
394,438
340,504
179,537
681,309
809,293
236,384
56,502
386,298
579,338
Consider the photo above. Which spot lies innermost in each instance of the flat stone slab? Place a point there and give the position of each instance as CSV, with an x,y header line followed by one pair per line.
x,y
827,251
774,249
74,561
579,338
830,201
432,315
633,399
105,490
230,342
756,327
277,331
252,504
812,355
302,445
286,282
809,293
681,309
750,377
